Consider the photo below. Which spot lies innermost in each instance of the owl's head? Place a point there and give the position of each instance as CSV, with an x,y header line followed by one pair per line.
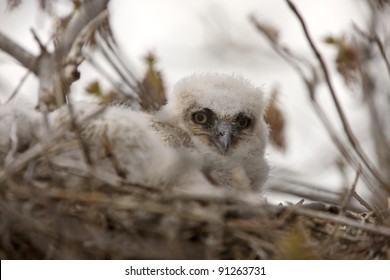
x,y
221,111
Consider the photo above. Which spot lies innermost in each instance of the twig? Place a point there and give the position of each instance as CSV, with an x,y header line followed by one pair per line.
x,y
45,141
40,148
375,38
23,56
83,145
341,147
112,45
343,208
119,66
377,229
52,68
382,52
123,202
308,191
363,202
114,181
81,169
21,82
311,84
108,150
129,203
347,129
140,89
75,56
101,69
286,54
223,194
350,192
42,46
13,140
382,145
87,13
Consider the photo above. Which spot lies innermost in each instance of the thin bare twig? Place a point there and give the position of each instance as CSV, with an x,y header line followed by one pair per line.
x,y
20,84
363,202
377,127
382,230
23,56
311,83
55,75
382,51
102,70
123,202
347,129
81,169
116,62
75,56
41,45
342,148
115,182
40,148
87,13
75,126
343,209
308,191
350,192
291,58
375,38
108,150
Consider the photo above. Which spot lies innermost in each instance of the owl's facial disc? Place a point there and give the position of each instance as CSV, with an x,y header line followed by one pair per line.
x,y
223,133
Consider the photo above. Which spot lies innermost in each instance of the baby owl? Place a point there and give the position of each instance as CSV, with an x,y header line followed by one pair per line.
x,y
220,122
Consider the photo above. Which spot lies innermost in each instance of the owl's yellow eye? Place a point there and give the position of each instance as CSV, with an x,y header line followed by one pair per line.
x,y
243,121
200,117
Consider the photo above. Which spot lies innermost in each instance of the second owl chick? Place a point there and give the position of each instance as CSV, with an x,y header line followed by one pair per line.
x,y
122,141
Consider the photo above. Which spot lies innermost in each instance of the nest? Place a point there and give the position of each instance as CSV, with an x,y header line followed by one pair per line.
x,y
75,213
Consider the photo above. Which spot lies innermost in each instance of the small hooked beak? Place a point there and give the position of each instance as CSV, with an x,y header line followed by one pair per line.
x,y
222,137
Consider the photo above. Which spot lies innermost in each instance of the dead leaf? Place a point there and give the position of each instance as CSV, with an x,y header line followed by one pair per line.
x,y
152,95
276,121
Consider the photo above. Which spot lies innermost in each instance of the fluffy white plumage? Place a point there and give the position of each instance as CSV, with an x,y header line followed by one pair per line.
x,y
122,141
211,123
19,128
234,136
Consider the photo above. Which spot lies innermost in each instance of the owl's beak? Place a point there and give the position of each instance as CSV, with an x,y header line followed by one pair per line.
x,y
222,136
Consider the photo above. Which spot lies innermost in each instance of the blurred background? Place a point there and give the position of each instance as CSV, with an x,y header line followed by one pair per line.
x,y
179,37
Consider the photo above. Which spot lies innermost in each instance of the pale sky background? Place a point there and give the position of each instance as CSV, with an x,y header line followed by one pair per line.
x,y
216,35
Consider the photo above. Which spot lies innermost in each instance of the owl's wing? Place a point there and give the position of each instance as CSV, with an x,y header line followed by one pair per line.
x,y
172,135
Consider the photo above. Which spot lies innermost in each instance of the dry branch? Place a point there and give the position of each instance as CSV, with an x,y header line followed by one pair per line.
x,y
40,148
23,56
311,82
56,71
378,124
347,128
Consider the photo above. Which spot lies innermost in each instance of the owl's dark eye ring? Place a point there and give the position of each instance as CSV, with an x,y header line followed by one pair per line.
x,y
243,121
200,117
